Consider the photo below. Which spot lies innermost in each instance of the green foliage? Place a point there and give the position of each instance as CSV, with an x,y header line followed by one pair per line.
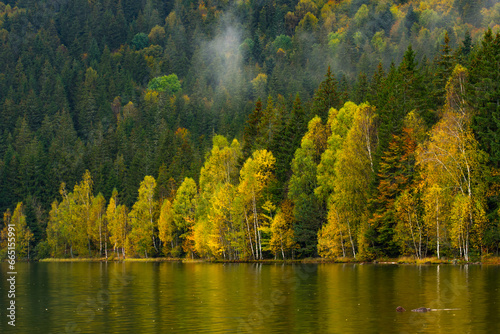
x,y
143,234
140,41
345,180
83,88
308,210
167,83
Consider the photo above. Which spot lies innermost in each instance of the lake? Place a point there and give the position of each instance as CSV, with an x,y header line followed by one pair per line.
x,y
147,297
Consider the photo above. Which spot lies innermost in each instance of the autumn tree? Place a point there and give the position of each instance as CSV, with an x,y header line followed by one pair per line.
x,y
142,237
453,159
167,231
117,222
23,234
97,224
396,174
410,231
282,233
61,228
436,203
70,221
334,237
216,223
83,198
348,194
308,210
339,121
183,208
255,176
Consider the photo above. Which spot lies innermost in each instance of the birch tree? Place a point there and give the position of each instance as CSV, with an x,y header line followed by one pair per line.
x,y
282,234
143,236
216,225
255,176
453,157
350,187
167,231
183,207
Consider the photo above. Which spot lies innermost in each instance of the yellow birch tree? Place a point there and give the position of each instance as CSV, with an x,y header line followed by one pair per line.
x,y
452,159
142,236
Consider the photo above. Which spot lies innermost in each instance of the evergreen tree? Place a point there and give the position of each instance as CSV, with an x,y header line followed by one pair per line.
x,y
251,130
444,67
396,175
326,96
484,96
308,210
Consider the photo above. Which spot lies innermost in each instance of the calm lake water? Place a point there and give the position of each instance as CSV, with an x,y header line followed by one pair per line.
x,y
251,298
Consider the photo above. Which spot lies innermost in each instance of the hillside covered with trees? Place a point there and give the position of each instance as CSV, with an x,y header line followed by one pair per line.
x,y
250,129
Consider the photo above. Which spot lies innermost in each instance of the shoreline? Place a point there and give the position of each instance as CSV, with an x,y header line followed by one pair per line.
x,y
397,261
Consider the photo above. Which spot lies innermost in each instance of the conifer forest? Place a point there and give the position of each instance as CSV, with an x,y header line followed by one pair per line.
x,y
249,129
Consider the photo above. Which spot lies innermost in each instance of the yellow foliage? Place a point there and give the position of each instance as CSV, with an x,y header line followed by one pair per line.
x,y
451,160
166,226
151,96
333,237
379,41
396,12
24,236
259,84
442,6
129,111
410,232
141,238
157,34
308,23
172,21
334,38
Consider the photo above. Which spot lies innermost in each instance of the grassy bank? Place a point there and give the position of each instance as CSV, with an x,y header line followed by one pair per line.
x,y
401,260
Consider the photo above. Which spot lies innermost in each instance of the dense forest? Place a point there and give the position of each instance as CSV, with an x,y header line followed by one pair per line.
x,y
250,129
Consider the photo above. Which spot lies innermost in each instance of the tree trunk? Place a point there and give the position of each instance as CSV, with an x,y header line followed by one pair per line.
x,y
342,243
255,223
350,238
437,225
249,234
100,236
90,253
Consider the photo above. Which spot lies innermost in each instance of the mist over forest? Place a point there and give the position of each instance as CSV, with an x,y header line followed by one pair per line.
x,y
250,129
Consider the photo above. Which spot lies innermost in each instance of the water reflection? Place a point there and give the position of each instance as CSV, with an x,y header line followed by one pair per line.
x,y
252,298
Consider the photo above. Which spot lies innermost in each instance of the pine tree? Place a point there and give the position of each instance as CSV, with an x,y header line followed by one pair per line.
x,y
326,96
396,175
309,211
484,96
251,130
291,135
444,67
361,89
267,126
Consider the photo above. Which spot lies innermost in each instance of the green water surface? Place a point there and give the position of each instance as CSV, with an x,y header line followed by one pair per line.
x,y
137,297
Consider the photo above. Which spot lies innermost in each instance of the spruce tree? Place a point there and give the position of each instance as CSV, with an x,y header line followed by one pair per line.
x,y
251,131
326,96
444,66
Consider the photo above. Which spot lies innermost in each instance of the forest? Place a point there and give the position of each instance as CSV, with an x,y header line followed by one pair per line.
x,y
250,130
